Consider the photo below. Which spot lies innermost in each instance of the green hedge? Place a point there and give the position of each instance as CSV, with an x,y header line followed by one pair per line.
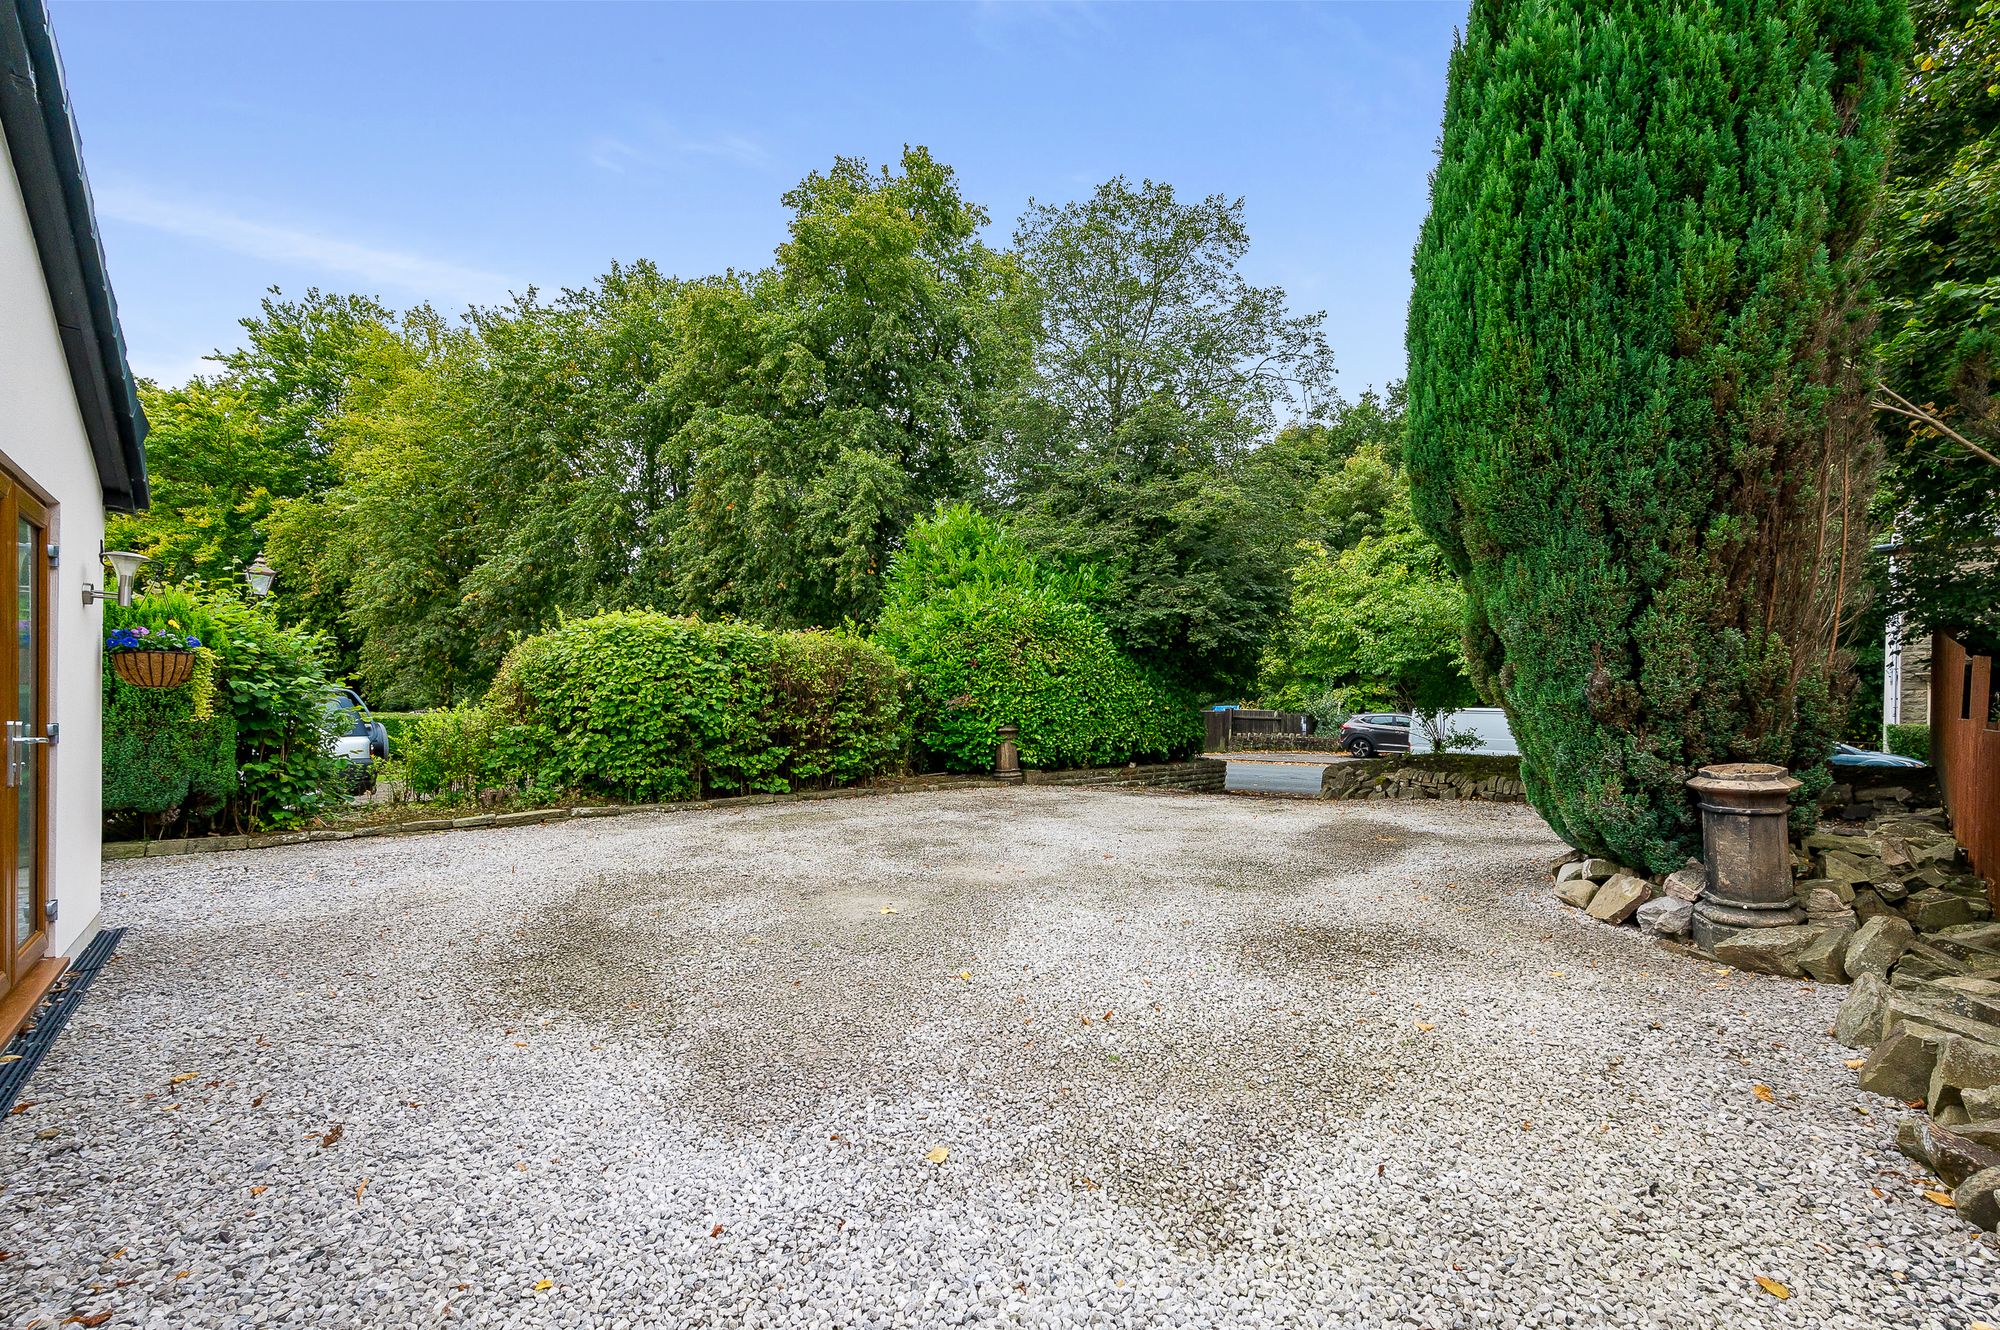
x,y
159,756
398,724
1911,741
983,657
640,705
242,745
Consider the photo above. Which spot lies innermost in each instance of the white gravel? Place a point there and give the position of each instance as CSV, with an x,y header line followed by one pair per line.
x,y
684,1069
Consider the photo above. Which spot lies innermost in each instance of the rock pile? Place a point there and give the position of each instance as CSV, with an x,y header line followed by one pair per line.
x,y
1893,908
1934,1043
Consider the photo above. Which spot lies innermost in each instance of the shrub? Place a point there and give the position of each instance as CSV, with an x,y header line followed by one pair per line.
x,y
991,636
275,683
996,656
446,753
1911,741
1637,423
641,705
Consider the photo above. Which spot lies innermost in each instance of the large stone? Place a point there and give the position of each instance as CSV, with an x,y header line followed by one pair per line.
x,y
1619,899
1962,1065
1904,1009
1666,917
1768,950
1686,884
1921,961
1934,909
1942,1151
1835,840
1901,1065
1981,1103
1821,960
1848,868
1980,1131
1867,904
1980,936
1878,944
1977,1199
1971,998
1572,869
1600,870
1822,898
1577,891
1895,853
1859,1024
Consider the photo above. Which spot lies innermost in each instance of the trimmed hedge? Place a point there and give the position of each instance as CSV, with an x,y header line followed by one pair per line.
x,y
992,655
647,706
1911,741
159,756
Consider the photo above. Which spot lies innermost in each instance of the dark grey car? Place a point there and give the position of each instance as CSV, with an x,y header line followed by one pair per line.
x,y
1375,732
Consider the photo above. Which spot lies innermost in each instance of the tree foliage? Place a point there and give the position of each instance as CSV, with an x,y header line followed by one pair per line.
x,y
1939,272
1161,366
1637,419
1379,622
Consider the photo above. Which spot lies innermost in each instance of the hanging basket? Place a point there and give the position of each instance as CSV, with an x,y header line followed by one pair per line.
x,y
154,669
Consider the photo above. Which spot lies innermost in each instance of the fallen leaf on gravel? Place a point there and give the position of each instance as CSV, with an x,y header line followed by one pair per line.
x,y
1555,974
1855,1064
259,1189
1774,1288
1426,1026
888,909
1527,1126
95,1318
183,1078
359,1190
1763,1092
544,1285
1940,1198
937,1155
715,1232
332,1136
965,974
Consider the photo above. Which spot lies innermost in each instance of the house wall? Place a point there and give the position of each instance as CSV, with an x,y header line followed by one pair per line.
x,y
1965,747
42,438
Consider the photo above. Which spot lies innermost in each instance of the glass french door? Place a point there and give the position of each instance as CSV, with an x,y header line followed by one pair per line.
x,y
24,751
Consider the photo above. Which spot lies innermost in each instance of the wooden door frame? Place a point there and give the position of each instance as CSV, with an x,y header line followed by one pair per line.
x,y
18,499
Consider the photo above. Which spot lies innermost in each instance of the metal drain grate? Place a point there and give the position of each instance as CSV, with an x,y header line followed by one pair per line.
x,y
51,1015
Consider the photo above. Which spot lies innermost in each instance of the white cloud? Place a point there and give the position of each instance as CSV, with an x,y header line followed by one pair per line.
x,y
660,144
418,274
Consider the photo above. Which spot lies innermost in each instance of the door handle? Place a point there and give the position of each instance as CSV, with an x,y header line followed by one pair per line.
x,y
18,753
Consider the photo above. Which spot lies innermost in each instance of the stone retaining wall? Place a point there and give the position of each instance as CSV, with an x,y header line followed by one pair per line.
x,y
1450,776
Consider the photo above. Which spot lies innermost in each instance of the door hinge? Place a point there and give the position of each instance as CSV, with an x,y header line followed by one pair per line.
x,y
52,911
55,556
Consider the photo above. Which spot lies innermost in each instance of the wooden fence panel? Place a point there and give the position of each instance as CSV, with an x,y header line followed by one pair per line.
x,y
1965,749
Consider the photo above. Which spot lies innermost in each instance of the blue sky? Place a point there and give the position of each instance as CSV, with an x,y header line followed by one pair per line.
x,y
457,152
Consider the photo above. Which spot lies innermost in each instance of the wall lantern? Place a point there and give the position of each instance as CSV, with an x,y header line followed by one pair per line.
x,y
125,568
258,576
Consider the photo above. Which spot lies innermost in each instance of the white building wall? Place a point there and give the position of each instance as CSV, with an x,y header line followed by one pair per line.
x,y
42,438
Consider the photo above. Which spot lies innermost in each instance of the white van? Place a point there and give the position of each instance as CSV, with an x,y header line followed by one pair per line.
x,y
1486,724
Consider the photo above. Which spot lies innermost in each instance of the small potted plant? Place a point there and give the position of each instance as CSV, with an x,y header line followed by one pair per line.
x,y
152,657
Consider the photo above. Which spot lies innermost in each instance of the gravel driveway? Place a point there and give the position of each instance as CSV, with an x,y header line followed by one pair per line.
x,y
1037,1057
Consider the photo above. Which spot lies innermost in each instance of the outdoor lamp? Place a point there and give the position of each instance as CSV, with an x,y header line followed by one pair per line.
x,y
258,575
125,568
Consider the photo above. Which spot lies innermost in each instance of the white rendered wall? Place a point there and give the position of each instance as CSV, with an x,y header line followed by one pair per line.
x,y
42,438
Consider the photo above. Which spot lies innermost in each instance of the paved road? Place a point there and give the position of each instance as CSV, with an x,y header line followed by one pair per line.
x,y
1034,1057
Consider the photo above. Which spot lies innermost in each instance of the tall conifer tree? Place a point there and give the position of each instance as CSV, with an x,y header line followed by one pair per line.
x,y
1637,424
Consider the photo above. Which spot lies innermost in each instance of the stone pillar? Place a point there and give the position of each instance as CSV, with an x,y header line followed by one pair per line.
x,y
1007,758
1745,812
